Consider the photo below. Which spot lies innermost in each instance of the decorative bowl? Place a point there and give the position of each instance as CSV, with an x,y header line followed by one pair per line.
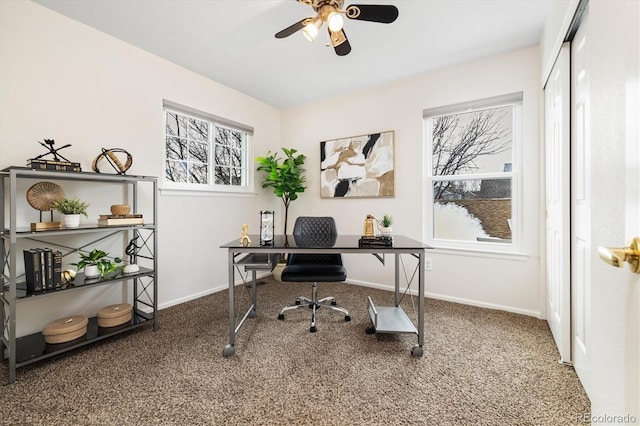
x,y
120,209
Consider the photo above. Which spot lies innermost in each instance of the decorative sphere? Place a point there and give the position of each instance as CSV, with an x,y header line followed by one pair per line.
x,y
68,275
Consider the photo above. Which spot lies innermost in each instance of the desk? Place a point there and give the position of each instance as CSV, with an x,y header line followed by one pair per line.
x,y
385,320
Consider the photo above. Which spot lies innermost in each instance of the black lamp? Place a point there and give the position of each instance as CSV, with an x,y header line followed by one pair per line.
x,y
267,227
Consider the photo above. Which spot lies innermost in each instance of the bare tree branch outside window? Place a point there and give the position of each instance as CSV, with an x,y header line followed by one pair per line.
x,y
195,147
460,141
471,175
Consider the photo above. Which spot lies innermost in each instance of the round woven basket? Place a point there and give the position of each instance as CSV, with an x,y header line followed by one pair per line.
x,y
65,329
120,209
113,315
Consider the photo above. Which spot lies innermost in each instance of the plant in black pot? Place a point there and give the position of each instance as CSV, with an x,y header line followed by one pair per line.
x,y
286,177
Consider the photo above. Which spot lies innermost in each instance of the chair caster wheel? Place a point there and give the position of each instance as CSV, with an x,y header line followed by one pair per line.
x,y
281,316
297,302
334,303
370,330
417,351
228,351
347,317
313,329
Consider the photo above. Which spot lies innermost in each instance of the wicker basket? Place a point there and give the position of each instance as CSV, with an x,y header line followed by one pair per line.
x,y
114,315
120,209
65,329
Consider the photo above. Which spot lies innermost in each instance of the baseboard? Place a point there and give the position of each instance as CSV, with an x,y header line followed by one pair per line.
x,y
462,301
213,290
414,292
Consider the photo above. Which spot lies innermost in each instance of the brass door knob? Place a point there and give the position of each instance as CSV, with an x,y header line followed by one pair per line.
x,y
616,256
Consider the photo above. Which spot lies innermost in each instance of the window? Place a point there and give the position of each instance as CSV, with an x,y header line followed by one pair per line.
x,y
204,152
472,173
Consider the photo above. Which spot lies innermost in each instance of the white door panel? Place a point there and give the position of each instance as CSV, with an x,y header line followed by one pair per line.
x,y
557,119
580,207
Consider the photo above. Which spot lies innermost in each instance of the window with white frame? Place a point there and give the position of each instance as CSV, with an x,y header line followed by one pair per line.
x,y
472,173
204,152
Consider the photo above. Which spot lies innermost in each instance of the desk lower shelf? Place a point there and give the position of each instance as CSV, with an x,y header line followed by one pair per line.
x,y
389,319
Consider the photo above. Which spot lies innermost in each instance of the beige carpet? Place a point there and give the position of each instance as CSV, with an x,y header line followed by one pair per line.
x,y
480,367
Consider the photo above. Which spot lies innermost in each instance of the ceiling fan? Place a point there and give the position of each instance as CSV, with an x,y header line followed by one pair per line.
x,y
330,11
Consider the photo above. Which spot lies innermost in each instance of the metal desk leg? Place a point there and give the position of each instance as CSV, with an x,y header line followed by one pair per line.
x,y
417,351
229,349
254,294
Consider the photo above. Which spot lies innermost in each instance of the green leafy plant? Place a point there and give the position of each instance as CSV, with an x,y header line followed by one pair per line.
x,y
286,177
386,221
70,206
100,259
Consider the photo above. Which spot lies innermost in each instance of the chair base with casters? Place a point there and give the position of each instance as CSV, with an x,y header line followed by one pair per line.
x,y
314,304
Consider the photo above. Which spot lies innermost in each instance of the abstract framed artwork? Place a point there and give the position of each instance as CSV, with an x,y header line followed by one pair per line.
x,y
358,167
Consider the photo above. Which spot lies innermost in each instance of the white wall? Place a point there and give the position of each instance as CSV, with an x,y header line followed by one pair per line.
x,y
63,80
507,282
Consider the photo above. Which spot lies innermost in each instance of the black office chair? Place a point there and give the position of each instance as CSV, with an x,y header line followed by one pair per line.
x,y
314,267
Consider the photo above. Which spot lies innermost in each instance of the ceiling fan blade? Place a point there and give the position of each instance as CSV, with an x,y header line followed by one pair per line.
x,y
293,28
340,42
385,14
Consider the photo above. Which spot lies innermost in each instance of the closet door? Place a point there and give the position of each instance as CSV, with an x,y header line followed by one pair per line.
x,y
581,206
557,174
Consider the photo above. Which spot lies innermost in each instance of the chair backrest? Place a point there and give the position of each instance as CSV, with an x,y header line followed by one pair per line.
x,y
320,226
315,231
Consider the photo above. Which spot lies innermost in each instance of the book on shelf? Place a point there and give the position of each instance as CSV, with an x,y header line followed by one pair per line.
x,y
61,166
32,271
46,254
121,221
120,216
43,269
57,269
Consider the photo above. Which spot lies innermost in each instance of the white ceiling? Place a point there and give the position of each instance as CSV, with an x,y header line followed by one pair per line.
x,y
233,43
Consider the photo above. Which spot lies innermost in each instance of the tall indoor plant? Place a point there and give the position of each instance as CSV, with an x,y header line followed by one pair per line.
x,y
286,177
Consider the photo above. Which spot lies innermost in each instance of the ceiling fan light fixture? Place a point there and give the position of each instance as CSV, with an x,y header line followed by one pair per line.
x,y
310,31
335,21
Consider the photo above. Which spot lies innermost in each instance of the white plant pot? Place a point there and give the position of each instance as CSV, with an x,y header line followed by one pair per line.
x,y
71,220
386,231
91,271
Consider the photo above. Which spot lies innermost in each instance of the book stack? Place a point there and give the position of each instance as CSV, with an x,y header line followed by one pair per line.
x,y
375,242
43,269
120,219
60,166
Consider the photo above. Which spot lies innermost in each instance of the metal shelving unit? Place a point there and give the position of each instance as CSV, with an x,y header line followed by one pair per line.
x,y
20,351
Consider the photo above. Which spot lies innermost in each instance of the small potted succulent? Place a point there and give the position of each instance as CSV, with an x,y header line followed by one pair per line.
x,y
71,208
97,264
385,225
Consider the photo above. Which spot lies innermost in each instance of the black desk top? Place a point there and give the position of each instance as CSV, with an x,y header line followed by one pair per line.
x,y
341,242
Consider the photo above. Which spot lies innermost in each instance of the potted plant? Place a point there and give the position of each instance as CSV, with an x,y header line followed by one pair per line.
x,y
385,225
97,264
71,208
287,180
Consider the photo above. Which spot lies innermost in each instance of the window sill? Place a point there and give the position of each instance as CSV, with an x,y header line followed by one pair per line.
x,y
174,192
482,252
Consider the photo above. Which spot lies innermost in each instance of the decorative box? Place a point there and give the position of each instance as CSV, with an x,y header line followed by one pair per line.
x,y
113,315
65,329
